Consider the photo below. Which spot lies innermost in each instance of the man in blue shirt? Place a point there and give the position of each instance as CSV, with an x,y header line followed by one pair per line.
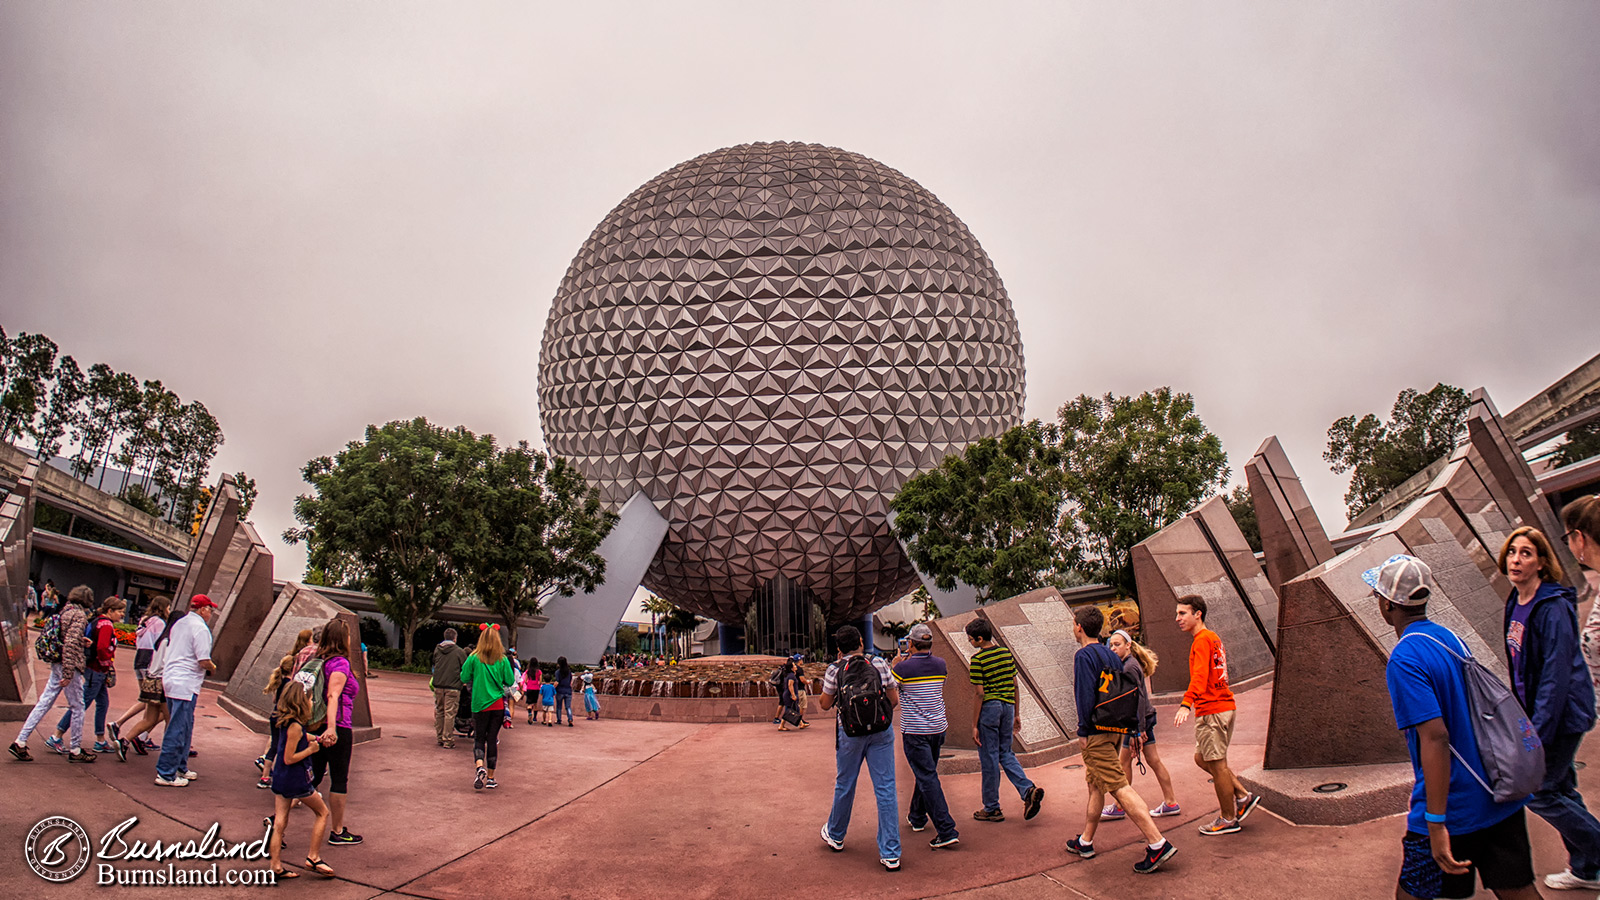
x,y
1455,826
1102,761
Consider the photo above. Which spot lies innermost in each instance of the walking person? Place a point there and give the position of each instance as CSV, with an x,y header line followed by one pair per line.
x,y
448,658
563,690
1102,767
788,698
547,703
1210,700
1550,679
99,676
338,736
1455,827
516,679
188,658
864,681
1581,518
151,707
920,678
290,777
284,672
489,673
532,681
66,677
993,671
591,703
1140,662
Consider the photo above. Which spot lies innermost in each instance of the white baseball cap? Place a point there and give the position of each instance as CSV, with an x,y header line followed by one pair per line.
x,y
1402,580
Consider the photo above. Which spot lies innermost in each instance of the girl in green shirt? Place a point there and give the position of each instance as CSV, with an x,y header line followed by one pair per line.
x,y
487,674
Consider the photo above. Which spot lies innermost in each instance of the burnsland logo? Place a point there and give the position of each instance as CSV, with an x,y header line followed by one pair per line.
x,y
58,850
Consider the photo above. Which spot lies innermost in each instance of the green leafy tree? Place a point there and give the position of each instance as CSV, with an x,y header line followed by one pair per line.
x,y
26,365
679,626
1132,466
395,513
1581,443
1381,455
67,389
540,527
987,516
627,639
96,429
247,493
1244,515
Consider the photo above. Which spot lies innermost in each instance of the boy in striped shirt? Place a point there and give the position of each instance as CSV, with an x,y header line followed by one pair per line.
x,y
920,676
994,677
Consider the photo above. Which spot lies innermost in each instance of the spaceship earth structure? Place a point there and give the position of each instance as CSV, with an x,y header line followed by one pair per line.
x,y
768,340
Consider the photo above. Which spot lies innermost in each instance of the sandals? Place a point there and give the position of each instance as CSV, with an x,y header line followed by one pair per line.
x,y
283,874
320,867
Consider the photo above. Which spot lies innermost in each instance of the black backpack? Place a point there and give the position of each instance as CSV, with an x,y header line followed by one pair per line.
x,y
1116,703
863,704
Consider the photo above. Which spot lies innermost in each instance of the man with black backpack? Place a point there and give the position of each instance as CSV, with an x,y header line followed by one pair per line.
x,y
62,645
864,691
1108,710
1455,825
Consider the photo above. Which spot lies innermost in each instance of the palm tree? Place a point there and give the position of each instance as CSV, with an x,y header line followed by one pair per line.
x,y
657,607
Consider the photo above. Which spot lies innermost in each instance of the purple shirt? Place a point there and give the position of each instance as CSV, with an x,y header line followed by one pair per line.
x,y
347,697
1514,642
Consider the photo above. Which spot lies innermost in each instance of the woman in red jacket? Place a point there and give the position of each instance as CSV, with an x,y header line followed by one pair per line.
x,y
99,675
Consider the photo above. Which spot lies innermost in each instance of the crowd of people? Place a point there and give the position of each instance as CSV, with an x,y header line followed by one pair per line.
x,y
1461,826
1464,822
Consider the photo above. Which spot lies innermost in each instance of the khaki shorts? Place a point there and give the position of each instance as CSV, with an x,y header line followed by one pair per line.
x,y
1102,763
1212,734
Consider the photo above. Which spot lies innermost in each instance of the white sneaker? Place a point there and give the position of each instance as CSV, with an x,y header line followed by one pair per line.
x,y
191,775
177,781
833,845
1566,881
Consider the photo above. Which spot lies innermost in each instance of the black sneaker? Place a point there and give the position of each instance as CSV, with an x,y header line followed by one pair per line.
x,y
939,843
1079,847
80,756
1154,858
989,815
20,752
914,826
344,837
480,778
491,784
1031,801
122,750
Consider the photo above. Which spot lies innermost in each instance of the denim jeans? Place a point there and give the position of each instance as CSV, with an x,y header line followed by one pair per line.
x,y
995,721
174,758
96,693
927,798
1558,802
55,687
878,751
563,701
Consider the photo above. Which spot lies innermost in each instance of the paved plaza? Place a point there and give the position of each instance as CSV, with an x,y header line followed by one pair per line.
x,y
642,809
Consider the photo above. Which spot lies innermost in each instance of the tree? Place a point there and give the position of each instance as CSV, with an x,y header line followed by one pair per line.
x,y
62,411
1132,465
658,608
1382,455
1581,443
395,514
540,526
987,516
1244,515
627,639
247,493
107,395
26,364
680,625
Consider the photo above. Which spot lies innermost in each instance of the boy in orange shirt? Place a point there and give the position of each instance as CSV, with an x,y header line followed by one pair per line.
x,y
1211,701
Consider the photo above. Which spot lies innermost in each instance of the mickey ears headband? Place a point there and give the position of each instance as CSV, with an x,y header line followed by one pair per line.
x,y
486,626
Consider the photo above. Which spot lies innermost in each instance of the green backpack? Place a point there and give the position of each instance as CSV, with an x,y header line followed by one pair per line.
x,y
313,677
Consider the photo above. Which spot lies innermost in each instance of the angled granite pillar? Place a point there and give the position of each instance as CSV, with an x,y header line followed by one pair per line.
x,y
296,607
580,627
16,539
1204,553
1037,627
1292,537
216,531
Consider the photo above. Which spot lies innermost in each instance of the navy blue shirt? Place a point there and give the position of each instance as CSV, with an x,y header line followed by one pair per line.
x,y
1087,664
1426,682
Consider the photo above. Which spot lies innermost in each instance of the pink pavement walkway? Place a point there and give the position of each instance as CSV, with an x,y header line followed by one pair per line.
x,y
639,809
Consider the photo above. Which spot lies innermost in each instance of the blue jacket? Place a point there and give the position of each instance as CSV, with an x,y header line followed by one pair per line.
x,y
1087,664
1559,693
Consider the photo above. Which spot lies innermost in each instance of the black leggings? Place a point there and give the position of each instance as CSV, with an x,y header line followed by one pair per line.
x,y
335,759
486,735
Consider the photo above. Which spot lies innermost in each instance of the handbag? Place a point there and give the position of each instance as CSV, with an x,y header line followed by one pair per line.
x,y
150,690
111,679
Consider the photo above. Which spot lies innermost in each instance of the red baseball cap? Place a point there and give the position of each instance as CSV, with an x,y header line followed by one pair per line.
x,y
201,601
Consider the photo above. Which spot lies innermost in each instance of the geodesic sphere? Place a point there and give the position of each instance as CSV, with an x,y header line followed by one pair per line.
x,y
768,340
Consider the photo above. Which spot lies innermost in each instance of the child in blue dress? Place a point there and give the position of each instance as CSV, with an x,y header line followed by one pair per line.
x,y
591,703
291,781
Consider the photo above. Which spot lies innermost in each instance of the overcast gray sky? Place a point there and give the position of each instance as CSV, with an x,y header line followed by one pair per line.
x,y
313,216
